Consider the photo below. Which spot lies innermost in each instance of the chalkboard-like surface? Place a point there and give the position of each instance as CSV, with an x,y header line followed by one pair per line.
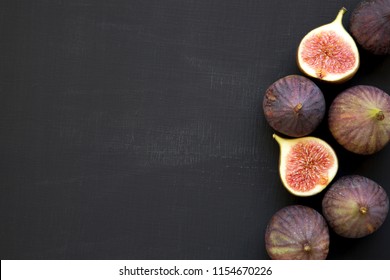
x,y
134,129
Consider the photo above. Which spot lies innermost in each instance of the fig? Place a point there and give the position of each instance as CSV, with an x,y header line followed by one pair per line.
x,y
329,53
297,232
294,105
355,206
370,26
306,165
359,119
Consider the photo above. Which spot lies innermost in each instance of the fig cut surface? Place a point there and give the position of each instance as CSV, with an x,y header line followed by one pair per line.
x,y
329,53
306,165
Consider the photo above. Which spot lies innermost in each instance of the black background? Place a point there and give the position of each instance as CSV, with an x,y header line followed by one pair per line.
x,y
134,129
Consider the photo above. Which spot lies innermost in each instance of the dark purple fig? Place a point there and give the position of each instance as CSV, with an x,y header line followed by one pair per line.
x,y
297,232
370,26
294,106
359,119
355,206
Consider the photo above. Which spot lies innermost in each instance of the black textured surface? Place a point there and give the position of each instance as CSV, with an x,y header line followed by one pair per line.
x,y
134,129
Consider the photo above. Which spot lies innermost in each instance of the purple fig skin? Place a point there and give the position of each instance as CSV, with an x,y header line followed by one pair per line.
x,y
355,206
370,26
297,232
359,119
294,106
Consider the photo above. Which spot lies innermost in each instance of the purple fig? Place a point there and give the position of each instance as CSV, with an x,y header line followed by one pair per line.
x,y
370,26
359,119
355,206
297,232
294,106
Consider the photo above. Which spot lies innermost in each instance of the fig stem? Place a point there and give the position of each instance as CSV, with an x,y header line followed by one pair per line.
x,y
298,107
380,116
377,114
339,17
277,138
363,210
307,247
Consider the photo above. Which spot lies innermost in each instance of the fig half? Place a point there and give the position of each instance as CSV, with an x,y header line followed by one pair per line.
x,y
370,26
306,165
294,106
359,119
297,232
329,53
355,206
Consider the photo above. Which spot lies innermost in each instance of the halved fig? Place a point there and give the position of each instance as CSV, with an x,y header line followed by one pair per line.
x,y
370,26
329,53
355,206
306,165
359,119
294,105
297,232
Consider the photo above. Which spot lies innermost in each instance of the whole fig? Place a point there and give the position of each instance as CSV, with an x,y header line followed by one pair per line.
x,y
294,106
359,119
297,232
370,26
355,206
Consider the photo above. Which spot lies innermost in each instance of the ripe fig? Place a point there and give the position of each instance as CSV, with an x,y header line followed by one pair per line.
x,y
297,232
306,165
355,206
329,53
359,119
294,106
370,26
